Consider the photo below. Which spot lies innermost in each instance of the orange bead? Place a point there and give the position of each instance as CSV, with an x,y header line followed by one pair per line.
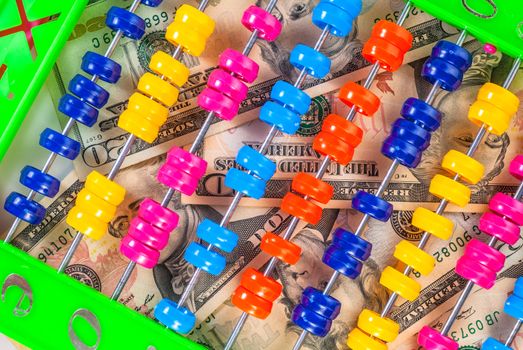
x,y
250,303
395,34
364,100
280,248
301,208
344,129
310,186
376,49
263,286
334,147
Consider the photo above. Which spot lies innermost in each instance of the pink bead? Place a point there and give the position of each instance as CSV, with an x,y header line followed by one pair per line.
x,y
507,206
177,179
242,66
469,269
138,252
228,85
516,167
489,48
485,255
268,26
186,161
212,101
502,229
160,217
431,339
149,235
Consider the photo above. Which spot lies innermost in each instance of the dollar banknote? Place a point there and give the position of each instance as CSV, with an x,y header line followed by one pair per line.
x,y
409,187
101,144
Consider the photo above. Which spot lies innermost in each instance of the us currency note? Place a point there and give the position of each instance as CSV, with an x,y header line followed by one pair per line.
x,y
101,144
409,187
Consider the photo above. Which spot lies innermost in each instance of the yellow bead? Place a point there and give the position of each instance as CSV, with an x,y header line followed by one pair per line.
x,y
90,203
414,257
191,41
499,97
135,124
196,19
495,120
161,90
432,223
446,188
358,340
174,70
86,223
148,108
402,285
104,188
380,327
466,167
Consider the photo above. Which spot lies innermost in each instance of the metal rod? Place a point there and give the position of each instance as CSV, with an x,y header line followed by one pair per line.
x,y
123,280
457,308
70,252
236,331
513,333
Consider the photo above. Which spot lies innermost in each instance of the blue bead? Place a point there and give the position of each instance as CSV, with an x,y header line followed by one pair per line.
x,y
242,182
311,321
152,3
256,162
493,344
314,62
216,235
290,96
24,209
179,319
454,54
352,7
88,91
59,144
421,113
354,245
324,305
103,67
514,307
397,149
372,205
518,287
438,70
326,14
339,259
285,120
40,182
208,261
77,109
131,25
411,133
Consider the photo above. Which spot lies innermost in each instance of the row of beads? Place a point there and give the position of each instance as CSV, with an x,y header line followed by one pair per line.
x,y
82,105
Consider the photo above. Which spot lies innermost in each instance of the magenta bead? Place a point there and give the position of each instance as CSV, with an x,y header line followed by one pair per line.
x,y
503,229
177,179
431,339
228,85
160,217
516,167
489,48
212,101
507,206
485,255
188,162
138,252
242,66
473,271
268,26
149,235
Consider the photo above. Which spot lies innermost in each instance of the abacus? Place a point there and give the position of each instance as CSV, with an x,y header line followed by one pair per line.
x,y
482,261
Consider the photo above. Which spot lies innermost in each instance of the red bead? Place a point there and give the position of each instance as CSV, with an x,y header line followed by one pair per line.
x,y
343,128
334,147
301,208
394,33
310,186
280,248
386,54
250,303
263,286
362,99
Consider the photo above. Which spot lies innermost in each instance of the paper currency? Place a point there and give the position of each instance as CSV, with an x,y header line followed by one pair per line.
x,y
101,143
409,187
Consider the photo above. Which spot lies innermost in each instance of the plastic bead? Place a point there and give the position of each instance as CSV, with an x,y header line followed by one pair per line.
x,y
354,245
514,307
268,26
430,222
104,188
250,303
301,208
88,91
380,327
507,206
516,167
186,161
322,304
163,218
285,120
78,110
493,344
397,282
216,235
280,248
389,56
137,125
195,19
339,21
480,274
313,62
95,206
310,186
518,287
177,179
208,261
496,226
393,33
59,144
436,70
147,108
421,113
343,128
260,285
446,188
364,100
213,101
291,97
152,85
411,133
431,339
139,252
103,67
39,181
372,205
152,3
242,66
499,97
190,29
177,318
402,151
454,54
466,167
86,223
172,69
329,145
147,234
256,162
483,254
228,85
494,119
414,257
311,321
242,182
131,25
24,209
358,340
339,258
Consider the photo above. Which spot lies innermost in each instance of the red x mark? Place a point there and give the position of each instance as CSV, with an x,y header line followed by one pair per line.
x,y
26,27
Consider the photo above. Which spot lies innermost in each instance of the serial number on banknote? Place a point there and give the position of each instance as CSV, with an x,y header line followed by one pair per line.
x,y
475,326
393,16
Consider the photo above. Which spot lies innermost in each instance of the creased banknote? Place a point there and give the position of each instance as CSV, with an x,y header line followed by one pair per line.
x,y
101,143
